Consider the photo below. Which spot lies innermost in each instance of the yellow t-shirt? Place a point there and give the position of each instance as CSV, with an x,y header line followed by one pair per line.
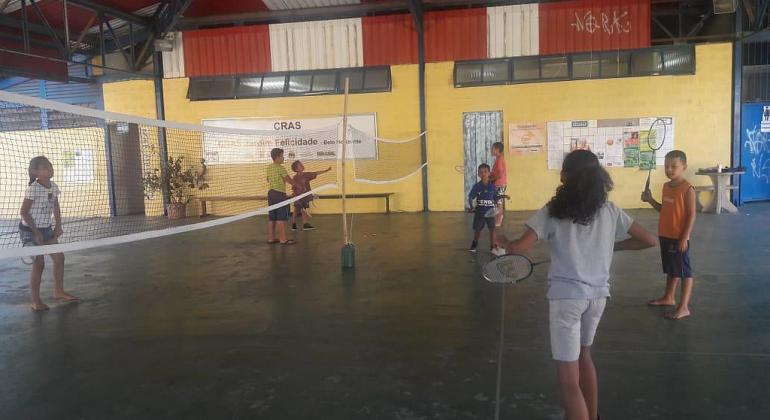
x,y
275,177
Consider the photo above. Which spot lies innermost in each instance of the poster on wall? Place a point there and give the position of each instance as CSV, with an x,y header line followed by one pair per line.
x,y
78,166
525,138
616,142
297,136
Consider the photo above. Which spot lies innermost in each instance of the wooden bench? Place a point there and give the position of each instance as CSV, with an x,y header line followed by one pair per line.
x,y
205,200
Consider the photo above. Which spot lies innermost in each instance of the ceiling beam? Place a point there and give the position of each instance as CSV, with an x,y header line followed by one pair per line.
x,y
111,11
37,29
297,15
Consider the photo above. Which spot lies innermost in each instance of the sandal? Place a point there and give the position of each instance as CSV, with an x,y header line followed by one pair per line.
x,y
274,241
289,242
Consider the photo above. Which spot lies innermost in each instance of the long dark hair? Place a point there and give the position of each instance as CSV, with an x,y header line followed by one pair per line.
x,y
34,164
584,188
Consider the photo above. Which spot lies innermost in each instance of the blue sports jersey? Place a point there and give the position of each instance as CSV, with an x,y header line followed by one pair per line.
x,y
485,195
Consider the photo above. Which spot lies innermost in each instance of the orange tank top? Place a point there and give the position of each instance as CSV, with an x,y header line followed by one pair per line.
x,y
673,210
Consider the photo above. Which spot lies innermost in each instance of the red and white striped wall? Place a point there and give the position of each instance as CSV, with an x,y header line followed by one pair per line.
x,y
451,35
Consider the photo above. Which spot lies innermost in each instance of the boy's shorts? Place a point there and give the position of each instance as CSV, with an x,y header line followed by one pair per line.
x,y
479,221
28,237
302,204
675,264
281,214
573,324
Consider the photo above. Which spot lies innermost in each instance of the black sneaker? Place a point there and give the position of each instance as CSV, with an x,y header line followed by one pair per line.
x,y
293,226
474,244
308,226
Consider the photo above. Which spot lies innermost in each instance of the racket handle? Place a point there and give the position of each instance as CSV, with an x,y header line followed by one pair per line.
x,y
647,184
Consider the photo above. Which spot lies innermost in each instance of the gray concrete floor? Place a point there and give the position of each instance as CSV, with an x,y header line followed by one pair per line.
x,y
218,325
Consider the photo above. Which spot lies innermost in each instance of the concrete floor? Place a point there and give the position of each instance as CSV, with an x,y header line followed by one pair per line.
x,y
218,325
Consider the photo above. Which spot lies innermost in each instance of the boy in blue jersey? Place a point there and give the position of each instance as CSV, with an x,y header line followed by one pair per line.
x,y
481,202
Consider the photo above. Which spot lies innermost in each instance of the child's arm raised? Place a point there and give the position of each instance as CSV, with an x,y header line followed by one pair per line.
x,y
640,239
26,206
689,222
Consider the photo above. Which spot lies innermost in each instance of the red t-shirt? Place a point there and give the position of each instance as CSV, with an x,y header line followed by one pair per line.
x,y
500,172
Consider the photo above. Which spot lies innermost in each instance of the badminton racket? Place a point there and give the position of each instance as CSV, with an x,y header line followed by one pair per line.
x,y
657,146
509,268
506,269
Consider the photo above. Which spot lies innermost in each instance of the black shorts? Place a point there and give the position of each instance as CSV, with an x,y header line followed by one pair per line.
x,y
479,221
675,264
302,203
281,214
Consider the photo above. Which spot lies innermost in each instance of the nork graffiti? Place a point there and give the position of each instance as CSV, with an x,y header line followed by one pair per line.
x,y
758,146
616,23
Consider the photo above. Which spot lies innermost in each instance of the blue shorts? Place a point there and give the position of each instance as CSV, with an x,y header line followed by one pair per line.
x,y
479,221
28,237
675,264
281,214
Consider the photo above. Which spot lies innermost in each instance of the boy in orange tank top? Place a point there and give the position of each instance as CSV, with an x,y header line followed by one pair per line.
x,y
677,218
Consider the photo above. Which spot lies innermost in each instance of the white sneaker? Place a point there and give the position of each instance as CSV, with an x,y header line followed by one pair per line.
x,y
498,251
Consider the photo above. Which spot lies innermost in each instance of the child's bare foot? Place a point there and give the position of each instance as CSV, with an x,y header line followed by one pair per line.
x,y
661,302
39,306
66,297
679,313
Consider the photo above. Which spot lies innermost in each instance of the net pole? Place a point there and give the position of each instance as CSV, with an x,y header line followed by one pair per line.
x,y
344,159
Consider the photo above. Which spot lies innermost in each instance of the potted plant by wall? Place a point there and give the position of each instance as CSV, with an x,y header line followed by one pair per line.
x,y
179,180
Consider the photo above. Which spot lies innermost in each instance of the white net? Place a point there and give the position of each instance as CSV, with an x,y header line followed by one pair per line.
x,y
396,160
122,178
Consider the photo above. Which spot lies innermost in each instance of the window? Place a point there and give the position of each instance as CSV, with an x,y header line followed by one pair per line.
x,y
615,64
525,69
646,63
585,66
668,60
248,87
213,88
325,82
300,83
554,68
319,82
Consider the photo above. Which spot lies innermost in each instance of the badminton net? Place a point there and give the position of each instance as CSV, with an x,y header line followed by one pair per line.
x,y
125,178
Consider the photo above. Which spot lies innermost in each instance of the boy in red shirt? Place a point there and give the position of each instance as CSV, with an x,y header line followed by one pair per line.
x,y
301,185
499,176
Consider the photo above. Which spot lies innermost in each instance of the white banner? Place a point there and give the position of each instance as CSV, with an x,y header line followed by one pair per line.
x,y
300,138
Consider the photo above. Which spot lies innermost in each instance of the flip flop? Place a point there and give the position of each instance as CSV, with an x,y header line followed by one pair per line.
x,y
289,242
273,242
653,303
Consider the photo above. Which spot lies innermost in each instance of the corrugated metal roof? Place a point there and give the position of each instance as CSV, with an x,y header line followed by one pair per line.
x,y
513,30
452,35
594,25
304,4
227,51
389,39
316,45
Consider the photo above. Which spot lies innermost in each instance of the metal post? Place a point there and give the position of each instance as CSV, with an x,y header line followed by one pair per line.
x,y
160,110
418,23
131,43
345,238
110,169
737,97
66,31
348,249
101,40
24,25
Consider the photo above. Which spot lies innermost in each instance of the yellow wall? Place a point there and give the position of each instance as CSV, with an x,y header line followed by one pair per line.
x,y
700,103
88,198
397,118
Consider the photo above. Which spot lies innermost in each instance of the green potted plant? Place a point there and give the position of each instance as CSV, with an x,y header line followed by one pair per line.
x,y
179,180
